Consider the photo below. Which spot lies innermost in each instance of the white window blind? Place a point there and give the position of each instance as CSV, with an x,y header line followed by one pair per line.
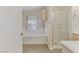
x,y
34,24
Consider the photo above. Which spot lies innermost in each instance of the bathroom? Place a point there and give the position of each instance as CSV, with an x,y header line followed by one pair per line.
x,y
39,29
37,33
45,26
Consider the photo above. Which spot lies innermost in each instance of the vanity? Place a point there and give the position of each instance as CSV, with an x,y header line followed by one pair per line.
x,y
70,46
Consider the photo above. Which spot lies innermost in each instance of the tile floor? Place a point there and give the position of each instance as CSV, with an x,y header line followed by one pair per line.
x,y
38,48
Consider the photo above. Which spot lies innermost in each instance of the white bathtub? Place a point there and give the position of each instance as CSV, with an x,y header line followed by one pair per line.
x,y
34,39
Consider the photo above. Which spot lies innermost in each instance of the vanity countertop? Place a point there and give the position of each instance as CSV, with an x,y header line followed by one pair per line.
x,y
71,45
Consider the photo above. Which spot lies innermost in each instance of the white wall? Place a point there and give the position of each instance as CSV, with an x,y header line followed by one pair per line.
x,y
10,40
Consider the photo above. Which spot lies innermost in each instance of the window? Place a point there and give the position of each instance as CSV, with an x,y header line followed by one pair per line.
x,y
34,24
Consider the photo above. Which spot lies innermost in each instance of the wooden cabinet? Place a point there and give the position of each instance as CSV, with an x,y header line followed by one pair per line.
x,y
75,37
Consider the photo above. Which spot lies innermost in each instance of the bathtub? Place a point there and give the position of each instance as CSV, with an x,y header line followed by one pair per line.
x,y
34,39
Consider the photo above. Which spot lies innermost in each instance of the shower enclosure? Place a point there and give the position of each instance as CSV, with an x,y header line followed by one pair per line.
x,y
58,25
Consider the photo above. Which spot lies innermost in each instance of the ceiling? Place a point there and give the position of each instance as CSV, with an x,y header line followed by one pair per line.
x,y
26,8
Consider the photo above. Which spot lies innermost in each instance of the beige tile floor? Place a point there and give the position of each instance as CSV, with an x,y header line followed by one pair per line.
x,y
38,48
